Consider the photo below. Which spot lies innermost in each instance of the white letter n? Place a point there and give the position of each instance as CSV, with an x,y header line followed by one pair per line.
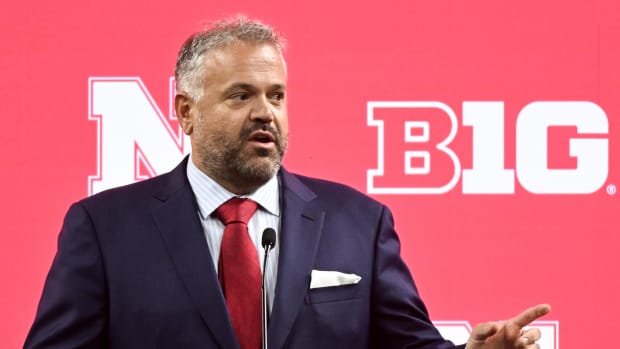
x,y
131,131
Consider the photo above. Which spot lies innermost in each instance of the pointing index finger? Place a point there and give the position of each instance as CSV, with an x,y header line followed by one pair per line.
x,y
530,314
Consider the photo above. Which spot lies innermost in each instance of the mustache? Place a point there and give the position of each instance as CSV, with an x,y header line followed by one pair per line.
x,y
245,133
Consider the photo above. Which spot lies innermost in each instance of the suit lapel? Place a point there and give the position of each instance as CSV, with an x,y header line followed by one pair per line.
x,y
302,223
182,232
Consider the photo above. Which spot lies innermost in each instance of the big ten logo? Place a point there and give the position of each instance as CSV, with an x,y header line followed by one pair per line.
x,y
416,155
135,139
459,331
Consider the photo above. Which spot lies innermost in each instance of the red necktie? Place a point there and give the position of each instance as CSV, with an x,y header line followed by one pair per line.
x,y
239,271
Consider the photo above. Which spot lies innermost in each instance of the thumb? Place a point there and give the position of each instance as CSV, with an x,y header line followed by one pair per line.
x,y
483,331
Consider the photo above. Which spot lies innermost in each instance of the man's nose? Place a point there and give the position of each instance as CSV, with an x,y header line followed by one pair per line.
x,y
262,110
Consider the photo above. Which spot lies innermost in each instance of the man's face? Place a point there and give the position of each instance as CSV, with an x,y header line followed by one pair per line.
x,y
239,128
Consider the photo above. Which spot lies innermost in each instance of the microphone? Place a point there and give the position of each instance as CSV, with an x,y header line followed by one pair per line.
x,y
268,242
269,238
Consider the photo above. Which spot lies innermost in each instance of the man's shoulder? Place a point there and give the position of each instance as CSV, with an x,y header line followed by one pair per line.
x,y
326,189
134,193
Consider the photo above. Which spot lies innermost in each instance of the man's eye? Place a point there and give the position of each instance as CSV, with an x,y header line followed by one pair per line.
x,y
240,96
277,96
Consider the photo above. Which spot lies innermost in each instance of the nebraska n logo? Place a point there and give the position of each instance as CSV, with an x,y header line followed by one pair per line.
x,y
134,139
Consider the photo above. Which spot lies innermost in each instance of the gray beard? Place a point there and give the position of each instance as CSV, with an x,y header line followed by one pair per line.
x,y
224,159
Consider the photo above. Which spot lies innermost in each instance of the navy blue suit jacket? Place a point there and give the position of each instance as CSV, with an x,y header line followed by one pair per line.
x,y
133,270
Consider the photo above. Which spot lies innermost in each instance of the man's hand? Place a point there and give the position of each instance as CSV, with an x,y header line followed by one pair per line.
x,y
509,334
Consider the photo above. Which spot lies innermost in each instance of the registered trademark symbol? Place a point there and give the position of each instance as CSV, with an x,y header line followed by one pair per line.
x,y
611,189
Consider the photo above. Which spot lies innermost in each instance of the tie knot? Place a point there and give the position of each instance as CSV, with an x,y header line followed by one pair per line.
x,y
236,210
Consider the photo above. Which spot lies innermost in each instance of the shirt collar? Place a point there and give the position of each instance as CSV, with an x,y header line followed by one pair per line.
x,y
210,195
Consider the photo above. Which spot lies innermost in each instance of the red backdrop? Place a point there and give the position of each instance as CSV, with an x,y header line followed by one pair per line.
x,y
475,256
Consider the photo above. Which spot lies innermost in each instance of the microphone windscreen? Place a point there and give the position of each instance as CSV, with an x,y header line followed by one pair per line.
x,y
269,238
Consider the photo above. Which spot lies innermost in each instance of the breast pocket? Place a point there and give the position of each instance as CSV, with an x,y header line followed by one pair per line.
x,y
332,294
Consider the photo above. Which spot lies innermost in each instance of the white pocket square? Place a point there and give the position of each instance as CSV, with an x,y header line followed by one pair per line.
x,y
326,278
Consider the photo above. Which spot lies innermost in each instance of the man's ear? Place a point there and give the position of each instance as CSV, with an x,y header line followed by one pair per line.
x,y
183,105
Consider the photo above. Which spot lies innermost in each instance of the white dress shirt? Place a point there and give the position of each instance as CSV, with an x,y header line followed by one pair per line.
x,y
210,195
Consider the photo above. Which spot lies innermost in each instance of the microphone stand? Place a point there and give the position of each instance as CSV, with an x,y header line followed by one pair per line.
x,y
269,241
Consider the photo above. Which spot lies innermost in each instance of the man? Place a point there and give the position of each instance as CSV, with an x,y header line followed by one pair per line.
x,y
147,265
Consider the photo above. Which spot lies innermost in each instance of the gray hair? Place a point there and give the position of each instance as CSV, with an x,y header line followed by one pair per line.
x,y
189,71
